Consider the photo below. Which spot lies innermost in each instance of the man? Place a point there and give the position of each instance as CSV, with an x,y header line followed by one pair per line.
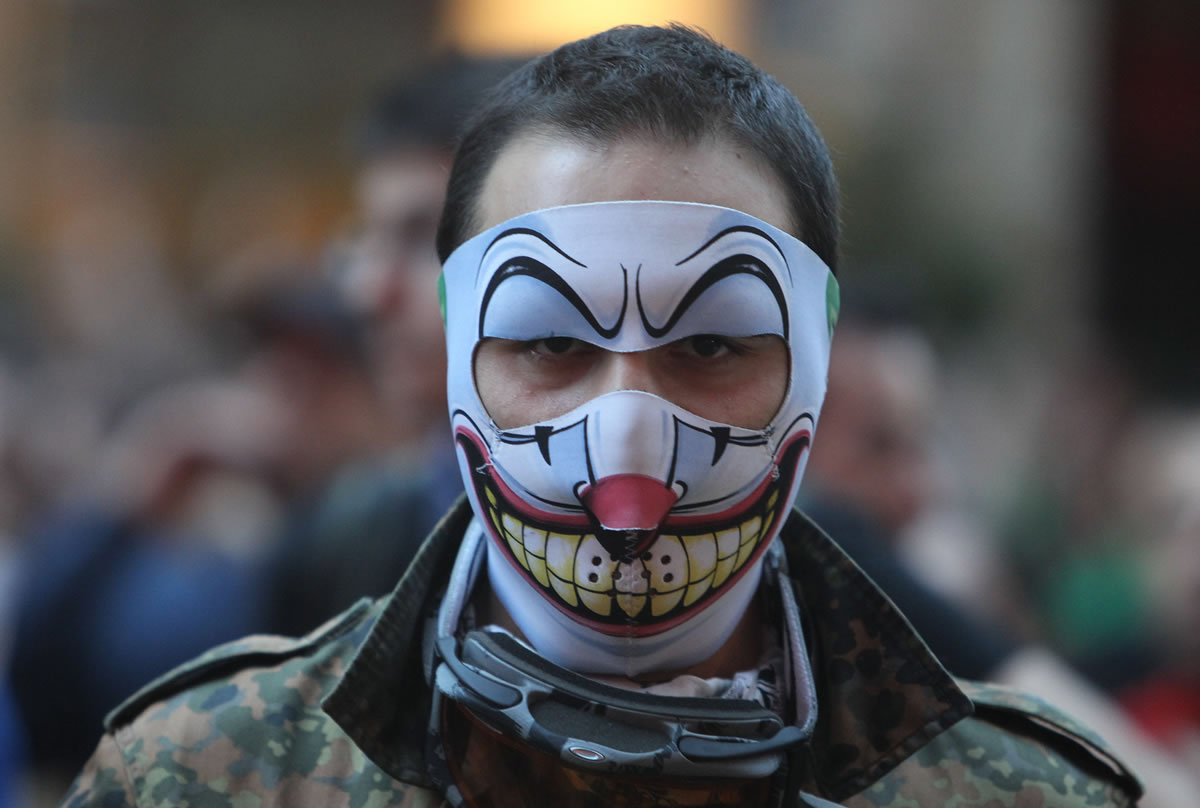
x,y
347,544
639,305
404,147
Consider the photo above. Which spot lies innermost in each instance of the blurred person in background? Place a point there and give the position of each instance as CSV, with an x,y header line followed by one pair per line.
x,y
174,536
388,271
871,476
303,346
13,783
12,727
1073,545
160,548
1161,471
871,480
318,441
372,516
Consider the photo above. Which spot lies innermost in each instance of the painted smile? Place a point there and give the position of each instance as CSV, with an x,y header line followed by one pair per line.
x,y
689,562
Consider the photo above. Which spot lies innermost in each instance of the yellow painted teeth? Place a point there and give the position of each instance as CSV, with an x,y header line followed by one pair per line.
x,y
599,603
661,604
535,553
632,605
560,555
676,570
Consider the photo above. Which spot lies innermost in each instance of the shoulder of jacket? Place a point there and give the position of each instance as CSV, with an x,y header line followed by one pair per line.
x,y
1025,714
223,660
988,696
1015,749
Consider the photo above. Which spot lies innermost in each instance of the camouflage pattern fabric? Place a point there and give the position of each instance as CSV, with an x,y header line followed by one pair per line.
x,y
339,717
1045,759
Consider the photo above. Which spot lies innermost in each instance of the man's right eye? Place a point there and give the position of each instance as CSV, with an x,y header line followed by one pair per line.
x,y
555,345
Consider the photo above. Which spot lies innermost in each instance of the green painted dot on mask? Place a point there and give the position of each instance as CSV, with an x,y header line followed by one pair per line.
x,y
833,302
442,295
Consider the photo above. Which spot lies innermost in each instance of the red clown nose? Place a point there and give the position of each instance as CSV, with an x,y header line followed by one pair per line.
x,y
628,506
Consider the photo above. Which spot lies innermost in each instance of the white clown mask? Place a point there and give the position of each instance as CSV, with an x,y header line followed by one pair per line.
x,y
627,535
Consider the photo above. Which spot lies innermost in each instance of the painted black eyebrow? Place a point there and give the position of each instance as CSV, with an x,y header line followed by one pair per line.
x,y
529,231
739,264
740,228
530,267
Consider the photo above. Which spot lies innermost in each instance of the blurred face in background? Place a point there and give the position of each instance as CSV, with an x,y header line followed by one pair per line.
x,y
392,279
873,449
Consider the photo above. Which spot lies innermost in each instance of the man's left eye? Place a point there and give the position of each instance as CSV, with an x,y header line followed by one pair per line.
x,y
708,345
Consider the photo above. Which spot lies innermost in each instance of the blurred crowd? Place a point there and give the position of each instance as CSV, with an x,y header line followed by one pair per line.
x,y
150,509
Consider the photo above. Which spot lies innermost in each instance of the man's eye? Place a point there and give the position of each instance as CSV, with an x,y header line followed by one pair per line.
x,y
555,345
708,345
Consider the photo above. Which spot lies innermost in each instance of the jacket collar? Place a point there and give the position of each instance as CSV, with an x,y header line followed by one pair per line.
x,y
881,693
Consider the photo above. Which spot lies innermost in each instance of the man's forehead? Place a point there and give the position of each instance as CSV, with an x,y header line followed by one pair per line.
x,y
538,170
401,181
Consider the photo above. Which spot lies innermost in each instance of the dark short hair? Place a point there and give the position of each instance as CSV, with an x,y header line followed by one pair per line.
x,y
671,83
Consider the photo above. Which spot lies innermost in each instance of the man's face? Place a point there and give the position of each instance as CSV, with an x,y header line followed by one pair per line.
x,y
638,352
735,381
393,278
874,451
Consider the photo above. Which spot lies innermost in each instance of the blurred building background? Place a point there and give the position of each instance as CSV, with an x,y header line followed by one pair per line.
x,y
1021,181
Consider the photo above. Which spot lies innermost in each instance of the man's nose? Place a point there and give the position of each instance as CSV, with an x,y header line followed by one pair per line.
x,y
630,371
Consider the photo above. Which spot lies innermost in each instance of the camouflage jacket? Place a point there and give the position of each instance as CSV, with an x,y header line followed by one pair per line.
x,y
338,717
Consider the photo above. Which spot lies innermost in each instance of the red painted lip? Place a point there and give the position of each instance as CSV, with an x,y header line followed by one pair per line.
x,y
505,500
580,521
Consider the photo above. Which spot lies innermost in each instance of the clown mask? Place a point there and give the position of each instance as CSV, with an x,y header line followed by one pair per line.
x,y
626,535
